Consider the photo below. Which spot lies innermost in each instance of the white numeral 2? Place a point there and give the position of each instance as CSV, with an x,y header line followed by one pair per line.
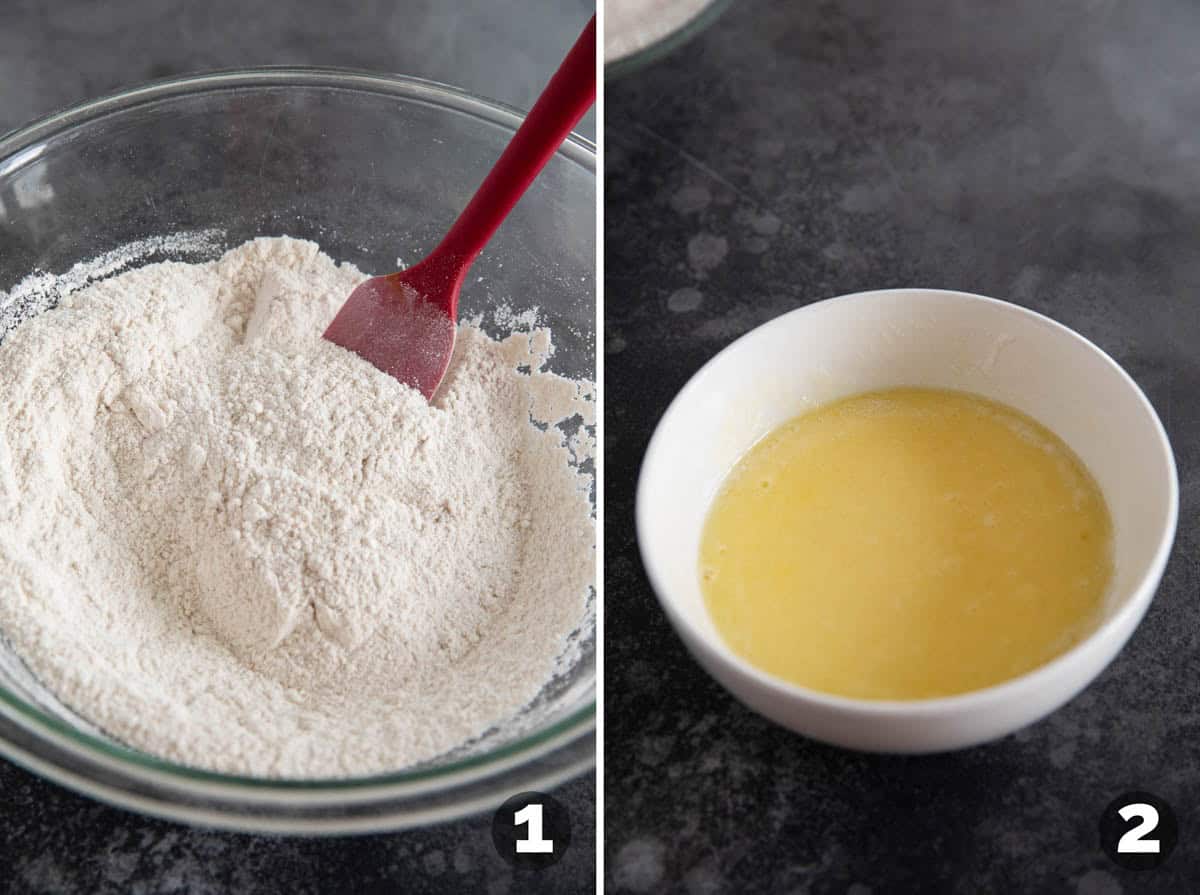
x,y
535,845
1132,842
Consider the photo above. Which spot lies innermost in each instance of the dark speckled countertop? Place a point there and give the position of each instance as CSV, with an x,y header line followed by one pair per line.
x,y
1048,154
53,55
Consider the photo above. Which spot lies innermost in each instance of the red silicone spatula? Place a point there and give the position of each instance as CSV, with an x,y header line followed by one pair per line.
x,y
404,323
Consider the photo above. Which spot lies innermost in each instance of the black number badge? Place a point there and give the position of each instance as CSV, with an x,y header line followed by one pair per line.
x,y
531,829
1138,830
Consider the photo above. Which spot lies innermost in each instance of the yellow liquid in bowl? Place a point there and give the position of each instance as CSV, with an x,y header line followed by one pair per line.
x,y
906,544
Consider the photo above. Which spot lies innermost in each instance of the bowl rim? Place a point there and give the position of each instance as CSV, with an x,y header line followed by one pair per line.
x,y
668,43
14,143
885,709
574,732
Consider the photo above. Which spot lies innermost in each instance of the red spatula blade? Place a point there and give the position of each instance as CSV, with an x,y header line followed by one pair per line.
x,y
404,323
389,323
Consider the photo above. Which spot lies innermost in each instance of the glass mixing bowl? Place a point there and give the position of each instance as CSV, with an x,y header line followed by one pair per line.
x,y
373,168
692,24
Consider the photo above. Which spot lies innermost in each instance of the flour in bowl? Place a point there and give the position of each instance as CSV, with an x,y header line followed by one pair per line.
x,y
229,543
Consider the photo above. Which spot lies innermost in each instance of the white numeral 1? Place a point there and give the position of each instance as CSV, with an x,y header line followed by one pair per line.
x,y
1132,842
532,814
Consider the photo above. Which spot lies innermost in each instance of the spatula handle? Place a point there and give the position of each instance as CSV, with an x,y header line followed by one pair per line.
x,y
569,94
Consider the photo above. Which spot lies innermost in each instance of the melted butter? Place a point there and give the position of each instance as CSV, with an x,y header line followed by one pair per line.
x,y
906,544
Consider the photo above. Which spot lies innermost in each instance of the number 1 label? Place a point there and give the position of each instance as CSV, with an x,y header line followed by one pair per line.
x,y
534,844
531,830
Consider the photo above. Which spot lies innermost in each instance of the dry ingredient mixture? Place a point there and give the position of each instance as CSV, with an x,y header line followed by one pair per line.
x,y
234,545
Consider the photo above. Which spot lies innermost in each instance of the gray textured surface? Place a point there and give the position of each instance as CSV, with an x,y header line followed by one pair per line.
x,y
53,55
52,841
1044,153
58,54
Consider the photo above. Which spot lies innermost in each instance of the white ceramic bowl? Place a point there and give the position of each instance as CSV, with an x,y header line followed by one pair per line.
x,y
915,337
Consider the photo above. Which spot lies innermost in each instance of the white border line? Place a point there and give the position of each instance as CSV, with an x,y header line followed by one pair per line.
x,y
601,597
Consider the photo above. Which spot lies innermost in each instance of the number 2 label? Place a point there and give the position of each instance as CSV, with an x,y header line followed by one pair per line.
x,y
534,844
1132,842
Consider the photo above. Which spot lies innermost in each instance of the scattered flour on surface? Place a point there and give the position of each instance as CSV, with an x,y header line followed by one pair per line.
x,y
40,291
234,545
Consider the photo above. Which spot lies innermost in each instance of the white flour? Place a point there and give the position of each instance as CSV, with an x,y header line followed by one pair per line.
x,y
234,545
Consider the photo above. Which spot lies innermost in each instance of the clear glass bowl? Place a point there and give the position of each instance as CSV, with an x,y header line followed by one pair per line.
x,y
665,44
372,168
